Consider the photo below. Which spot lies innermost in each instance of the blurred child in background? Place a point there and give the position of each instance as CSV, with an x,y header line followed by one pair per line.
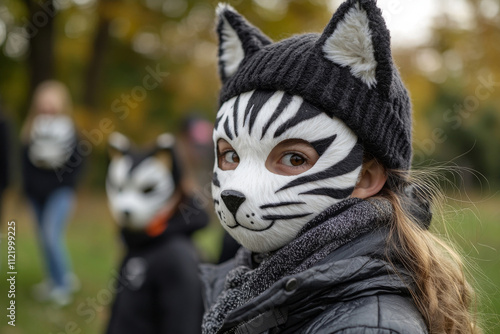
x,y
51,167
195,148
158,289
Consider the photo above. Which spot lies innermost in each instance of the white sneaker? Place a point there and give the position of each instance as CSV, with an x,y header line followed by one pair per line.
x,y
46,292
60,297
41,291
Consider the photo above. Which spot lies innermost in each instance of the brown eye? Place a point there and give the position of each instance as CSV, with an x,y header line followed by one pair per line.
x,y
291,157
231,157
293,160
227,158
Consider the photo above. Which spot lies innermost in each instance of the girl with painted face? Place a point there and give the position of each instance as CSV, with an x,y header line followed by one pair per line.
x,y
51,169
312,178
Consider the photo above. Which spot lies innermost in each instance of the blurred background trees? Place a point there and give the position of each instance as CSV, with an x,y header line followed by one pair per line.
x,y
454,79
103,49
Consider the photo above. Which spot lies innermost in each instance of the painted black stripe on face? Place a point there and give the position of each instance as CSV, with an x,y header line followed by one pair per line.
x,y
330,192
276,205
255,104
284,217
353,160
215,180
323,144
227,130
305,112
285,101
217,121
235,115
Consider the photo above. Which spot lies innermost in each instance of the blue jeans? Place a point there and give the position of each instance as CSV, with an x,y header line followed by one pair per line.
x,y
52,216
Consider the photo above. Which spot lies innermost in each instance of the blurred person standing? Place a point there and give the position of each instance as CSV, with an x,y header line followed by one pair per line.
x,y
51,167
196,149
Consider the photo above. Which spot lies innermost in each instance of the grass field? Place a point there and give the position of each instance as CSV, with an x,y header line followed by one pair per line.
x,y
95,251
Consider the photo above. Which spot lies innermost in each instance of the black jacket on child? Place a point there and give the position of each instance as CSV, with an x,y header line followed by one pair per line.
x,y
352,289
158,289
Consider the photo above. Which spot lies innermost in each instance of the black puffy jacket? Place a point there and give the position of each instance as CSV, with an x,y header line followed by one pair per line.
x,y
352,290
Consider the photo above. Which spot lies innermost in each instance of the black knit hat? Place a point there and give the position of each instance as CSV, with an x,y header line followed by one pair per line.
x,y
347,72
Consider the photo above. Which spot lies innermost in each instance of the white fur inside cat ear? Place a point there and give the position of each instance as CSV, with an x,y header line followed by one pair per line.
x,y
231,49
350,45
165,141
119,142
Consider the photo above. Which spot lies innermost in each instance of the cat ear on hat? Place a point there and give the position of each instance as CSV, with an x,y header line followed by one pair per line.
x,y
118,145
237,39
357,38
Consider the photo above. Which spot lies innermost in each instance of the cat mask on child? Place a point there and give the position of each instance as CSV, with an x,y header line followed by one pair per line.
x,y
140,183
335,91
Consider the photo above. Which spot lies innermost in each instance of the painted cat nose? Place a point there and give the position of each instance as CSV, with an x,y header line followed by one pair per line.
x,y
126,213
233,200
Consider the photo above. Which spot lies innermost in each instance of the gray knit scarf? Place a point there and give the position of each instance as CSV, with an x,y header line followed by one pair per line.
x,y
329,230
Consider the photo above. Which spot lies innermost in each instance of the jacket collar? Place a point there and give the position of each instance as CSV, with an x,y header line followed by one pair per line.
x,y
359,263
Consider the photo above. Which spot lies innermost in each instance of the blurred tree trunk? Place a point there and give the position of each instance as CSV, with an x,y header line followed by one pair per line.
x,y
96,64
40,29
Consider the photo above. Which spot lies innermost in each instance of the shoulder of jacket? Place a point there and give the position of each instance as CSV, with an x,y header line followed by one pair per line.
x,y
387,313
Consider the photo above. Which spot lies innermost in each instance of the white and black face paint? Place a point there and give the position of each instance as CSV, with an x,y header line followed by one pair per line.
x,y
264,210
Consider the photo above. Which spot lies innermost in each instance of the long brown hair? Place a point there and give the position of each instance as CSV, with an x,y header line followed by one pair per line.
x,y
442,291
